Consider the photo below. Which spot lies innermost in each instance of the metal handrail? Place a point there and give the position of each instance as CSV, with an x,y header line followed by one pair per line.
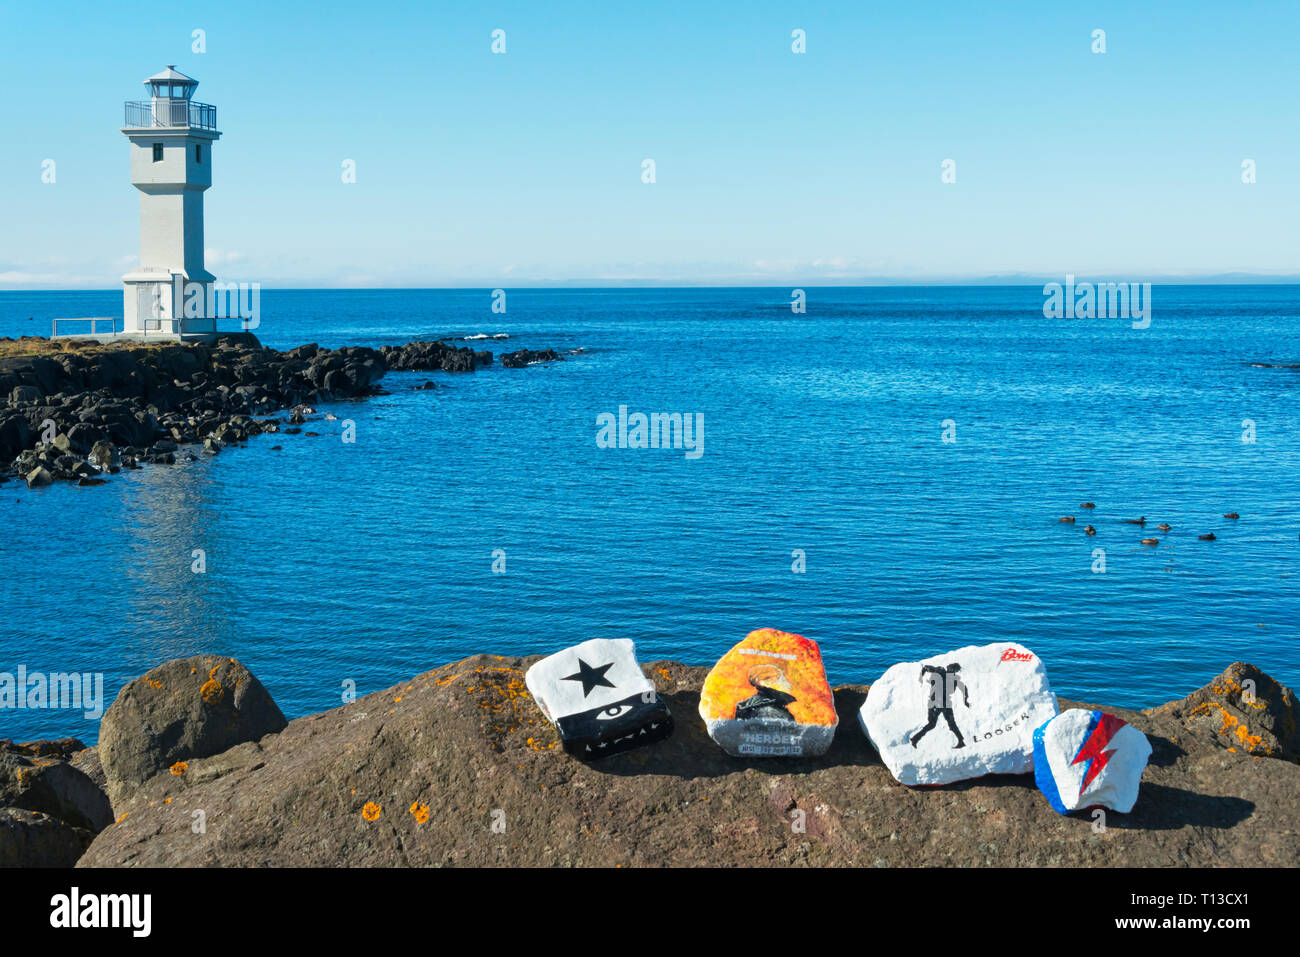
x,y
111,320
170,114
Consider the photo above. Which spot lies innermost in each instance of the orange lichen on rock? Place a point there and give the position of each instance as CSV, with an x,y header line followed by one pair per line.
x,y
212,692
419,811
180,767
155,684
371,811
1230,727
501,693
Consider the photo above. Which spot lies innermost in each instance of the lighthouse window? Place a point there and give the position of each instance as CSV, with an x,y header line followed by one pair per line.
x,y
157,152
198,152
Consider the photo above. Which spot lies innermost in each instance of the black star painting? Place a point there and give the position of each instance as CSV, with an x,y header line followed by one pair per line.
x,y
590,677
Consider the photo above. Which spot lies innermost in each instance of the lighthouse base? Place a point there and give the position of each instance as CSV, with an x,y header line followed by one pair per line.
x,y
158,304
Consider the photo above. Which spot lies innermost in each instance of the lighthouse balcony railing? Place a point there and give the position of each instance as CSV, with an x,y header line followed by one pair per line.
x,y
171,114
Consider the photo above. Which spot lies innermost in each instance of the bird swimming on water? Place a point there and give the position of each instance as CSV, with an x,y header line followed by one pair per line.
x,y
1164,527
1151,541
1136,521
1207,537
1232,515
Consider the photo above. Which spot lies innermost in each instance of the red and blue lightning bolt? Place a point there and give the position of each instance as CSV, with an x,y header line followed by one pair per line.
x,y
1094,749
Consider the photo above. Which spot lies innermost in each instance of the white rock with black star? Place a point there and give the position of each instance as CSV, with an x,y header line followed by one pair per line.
x,y
598,698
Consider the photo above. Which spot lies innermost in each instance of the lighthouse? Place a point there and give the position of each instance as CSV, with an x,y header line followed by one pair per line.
x,y
170,294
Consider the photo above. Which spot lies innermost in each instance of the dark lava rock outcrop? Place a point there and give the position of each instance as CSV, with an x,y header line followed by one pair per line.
x,y
73,415
458,766
527,357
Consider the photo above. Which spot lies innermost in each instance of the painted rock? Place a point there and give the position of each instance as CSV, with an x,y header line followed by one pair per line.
x,y
960,715
1085,759
768,696
598,699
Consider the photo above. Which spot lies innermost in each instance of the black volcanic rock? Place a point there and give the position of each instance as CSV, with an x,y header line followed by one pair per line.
x,y
135,396
431,356
526,357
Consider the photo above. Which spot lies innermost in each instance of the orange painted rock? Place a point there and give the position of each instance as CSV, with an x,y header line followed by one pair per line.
x,y
768,697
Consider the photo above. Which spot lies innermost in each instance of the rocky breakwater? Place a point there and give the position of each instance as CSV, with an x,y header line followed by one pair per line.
x,y
460,766
89,410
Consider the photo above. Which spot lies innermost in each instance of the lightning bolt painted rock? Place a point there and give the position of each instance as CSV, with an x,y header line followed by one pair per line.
x,y
1086,759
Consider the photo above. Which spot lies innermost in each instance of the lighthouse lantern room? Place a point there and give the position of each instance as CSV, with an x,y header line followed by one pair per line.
x,y
171,139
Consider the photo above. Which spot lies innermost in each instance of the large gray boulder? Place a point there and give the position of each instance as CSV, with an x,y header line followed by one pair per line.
x,y
184,709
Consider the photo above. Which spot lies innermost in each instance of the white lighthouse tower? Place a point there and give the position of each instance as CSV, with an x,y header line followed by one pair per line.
x,y
171,165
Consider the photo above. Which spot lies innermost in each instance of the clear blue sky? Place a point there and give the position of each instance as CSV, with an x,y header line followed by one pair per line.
x,y
772,167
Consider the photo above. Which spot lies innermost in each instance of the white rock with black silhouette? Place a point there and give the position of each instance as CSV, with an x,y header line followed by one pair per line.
x,y
598,698
1086,759
959,715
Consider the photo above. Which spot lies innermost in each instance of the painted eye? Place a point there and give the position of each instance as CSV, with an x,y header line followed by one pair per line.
x,y
614,711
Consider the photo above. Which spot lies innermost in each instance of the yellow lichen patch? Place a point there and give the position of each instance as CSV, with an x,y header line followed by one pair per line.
x,y
154,683
167,800
419,811
212,692
397,699
371,811
1231,728
180,767
499,692
125,815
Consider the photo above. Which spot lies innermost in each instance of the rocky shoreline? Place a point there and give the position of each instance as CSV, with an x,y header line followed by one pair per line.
x,y
84,411
196,766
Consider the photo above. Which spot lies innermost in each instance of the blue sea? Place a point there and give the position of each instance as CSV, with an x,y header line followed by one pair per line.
x,y
331,562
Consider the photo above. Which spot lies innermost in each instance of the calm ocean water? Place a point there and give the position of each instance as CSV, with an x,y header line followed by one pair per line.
x,y
330,562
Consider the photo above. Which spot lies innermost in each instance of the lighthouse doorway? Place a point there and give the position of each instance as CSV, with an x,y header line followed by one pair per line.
x,y
152,305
